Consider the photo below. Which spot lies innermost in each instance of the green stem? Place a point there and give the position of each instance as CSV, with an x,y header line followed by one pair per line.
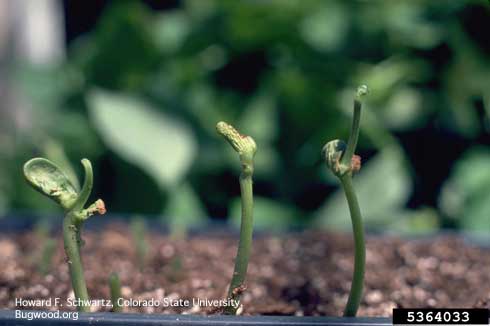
x,y
360,249
245,243
72,241
115,287
246,147
354,134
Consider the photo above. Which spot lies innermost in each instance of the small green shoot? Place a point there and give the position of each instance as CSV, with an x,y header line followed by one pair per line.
x,y
176,272
138,232
115,287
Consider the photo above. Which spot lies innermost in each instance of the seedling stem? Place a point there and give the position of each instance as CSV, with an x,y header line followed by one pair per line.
x,y
245,146
341,160
47,178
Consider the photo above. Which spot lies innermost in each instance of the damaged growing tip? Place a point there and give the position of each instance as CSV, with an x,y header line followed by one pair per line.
x,y
333,152
96,208
361,91
243,145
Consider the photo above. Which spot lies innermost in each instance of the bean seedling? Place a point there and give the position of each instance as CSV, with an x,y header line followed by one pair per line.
x,y
45,177
343,163
245,147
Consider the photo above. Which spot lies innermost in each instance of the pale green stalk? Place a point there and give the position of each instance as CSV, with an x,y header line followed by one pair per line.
x,y
245,146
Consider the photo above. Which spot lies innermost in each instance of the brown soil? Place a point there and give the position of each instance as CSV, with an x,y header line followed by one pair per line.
x,y
296,274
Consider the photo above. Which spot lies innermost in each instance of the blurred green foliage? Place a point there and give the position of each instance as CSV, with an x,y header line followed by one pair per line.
x,y
465,195
141,93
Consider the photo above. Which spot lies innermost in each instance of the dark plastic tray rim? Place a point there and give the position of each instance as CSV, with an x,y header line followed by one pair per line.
x,y
7,318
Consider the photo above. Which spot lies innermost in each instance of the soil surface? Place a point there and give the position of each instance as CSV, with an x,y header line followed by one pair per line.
x,y
295,274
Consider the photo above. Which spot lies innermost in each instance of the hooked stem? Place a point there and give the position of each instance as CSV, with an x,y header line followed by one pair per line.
x,y
344,168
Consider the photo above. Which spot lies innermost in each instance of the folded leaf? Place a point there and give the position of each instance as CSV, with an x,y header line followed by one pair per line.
x,y
48,179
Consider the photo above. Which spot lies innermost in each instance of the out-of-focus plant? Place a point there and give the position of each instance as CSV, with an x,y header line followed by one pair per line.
x,y
161,145
115,289
262,65
45,177
43,258
138,232
48,249
465,196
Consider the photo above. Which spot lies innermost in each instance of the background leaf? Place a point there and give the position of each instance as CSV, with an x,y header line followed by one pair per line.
x,y
157,143
170,30
465,196
284,72
184,208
